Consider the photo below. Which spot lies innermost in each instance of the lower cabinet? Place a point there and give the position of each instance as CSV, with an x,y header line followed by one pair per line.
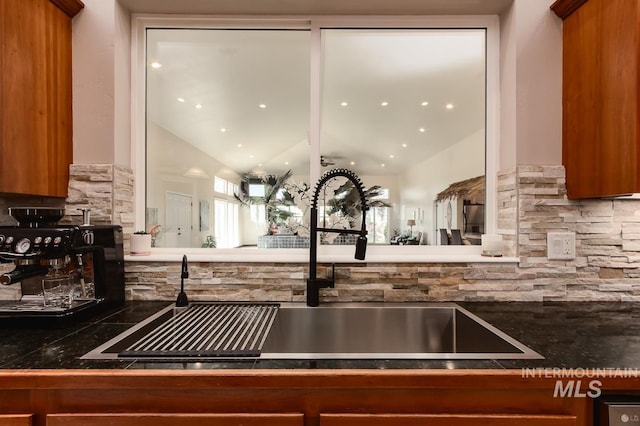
x,y
314,397
174,419
15,419
445,420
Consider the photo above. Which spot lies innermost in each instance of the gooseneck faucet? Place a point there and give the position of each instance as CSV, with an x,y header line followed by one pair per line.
x,y
314,284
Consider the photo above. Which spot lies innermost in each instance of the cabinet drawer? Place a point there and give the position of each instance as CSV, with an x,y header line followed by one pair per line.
x,y
445,420
175,419
15,419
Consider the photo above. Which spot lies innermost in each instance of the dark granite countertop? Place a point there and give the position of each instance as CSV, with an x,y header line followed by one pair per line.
x,y
568,335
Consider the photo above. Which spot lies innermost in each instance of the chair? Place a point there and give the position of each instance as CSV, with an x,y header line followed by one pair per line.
x,y
444,237
456,237
414,241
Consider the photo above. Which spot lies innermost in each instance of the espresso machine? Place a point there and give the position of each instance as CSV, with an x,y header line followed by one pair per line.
x,y
65,272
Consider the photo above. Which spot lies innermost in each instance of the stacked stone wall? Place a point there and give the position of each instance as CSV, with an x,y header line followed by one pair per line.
x,y
531,200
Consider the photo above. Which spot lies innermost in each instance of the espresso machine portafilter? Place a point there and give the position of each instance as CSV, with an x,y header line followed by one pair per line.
x,y
65,272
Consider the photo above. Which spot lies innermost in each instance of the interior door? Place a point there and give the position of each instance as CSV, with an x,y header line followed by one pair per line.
x,y
179,219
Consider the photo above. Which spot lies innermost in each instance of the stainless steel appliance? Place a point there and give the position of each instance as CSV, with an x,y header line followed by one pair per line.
x,y
617,410
65,272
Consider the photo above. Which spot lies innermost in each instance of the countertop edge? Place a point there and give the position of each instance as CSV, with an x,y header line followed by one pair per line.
x,y
326,258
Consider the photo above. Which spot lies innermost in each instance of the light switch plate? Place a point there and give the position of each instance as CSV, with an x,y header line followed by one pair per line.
x,y
561,245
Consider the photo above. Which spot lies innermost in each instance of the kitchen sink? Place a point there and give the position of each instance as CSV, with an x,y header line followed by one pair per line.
x,y
330,331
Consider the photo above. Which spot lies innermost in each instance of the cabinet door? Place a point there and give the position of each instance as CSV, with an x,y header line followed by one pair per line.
x,y
601,151
35,98
15,419
176,419
445,420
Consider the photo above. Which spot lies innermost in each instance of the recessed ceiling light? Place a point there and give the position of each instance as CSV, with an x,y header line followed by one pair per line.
x,y
180,99
239,145
223,129
344,103
425,103
198,106
422,129
156,65
449,106
381,164
353,163
286,163
404,145
250,155
392,156
263,106
385,103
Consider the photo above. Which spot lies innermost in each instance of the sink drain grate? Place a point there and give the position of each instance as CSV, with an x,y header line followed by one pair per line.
x,y
208,330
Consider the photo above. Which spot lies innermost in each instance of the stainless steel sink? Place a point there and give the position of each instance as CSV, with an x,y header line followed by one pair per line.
x,y
330,331
388,331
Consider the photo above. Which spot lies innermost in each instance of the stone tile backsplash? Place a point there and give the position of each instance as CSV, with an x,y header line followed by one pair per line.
x,y
531,202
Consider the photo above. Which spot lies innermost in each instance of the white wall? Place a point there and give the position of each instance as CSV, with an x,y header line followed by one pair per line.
x,y
94,83
122,86
101,84
531,92
167,162
422,183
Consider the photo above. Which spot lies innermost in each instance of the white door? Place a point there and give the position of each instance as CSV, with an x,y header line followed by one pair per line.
x,y
178,229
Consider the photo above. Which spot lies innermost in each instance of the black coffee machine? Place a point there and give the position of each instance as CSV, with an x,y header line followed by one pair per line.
x,y
66,272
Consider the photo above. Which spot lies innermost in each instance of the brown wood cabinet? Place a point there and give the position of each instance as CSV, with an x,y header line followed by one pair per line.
x,y
15,419
445,420
36,145
313,397
601,95
175,419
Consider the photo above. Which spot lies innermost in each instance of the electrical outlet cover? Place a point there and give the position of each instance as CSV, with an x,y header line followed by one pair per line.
x,y
561,245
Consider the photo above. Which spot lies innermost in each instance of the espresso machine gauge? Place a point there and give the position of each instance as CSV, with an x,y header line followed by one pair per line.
x,y
23,245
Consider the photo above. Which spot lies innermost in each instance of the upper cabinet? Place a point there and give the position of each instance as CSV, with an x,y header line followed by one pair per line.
x,y
601,92
36,145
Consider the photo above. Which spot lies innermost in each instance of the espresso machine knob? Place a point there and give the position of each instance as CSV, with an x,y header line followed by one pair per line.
x,y
1,238
9,240
88,238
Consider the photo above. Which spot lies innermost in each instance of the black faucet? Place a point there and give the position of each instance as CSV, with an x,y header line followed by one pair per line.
x,y
182,300
314,284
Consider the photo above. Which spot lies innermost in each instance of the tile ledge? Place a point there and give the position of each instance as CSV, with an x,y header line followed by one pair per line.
x,y
302,256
